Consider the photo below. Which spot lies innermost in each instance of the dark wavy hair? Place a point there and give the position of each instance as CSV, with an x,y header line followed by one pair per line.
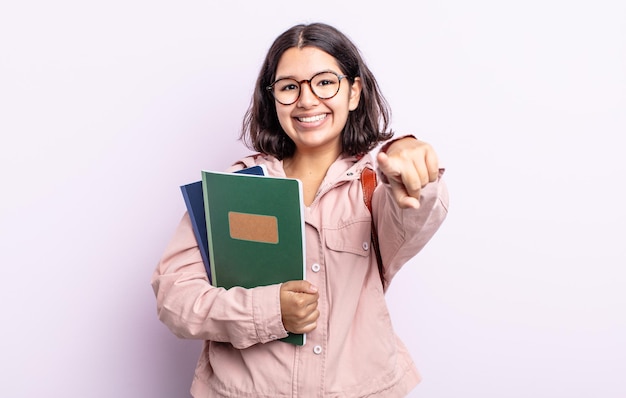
x,y
366,126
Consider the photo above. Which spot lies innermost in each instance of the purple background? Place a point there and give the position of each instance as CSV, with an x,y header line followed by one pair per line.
x,y
106,108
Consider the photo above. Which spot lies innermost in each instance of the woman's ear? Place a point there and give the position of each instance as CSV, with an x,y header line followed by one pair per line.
x,y
355,94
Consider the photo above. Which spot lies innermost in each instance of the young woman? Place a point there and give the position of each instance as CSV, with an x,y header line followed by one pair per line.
x,y
316,114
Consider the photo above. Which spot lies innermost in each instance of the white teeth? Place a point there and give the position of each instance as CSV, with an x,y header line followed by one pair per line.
x,y
311,119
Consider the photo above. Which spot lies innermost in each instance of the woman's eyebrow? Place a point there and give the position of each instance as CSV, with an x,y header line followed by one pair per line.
x,y
278,77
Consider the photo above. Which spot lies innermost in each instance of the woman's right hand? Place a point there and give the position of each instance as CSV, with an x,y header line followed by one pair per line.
x,y
298,306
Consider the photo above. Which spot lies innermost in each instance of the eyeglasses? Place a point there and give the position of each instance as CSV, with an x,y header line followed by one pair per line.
x,y
324,85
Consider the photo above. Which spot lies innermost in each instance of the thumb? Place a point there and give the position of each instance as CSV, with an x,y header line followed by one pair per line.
x,y
391,169
387,165
300,287
383,160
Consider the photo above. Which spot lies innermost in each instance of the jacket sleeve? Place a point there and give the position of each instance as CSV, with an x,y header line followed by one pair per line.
x,y
191,308
402,233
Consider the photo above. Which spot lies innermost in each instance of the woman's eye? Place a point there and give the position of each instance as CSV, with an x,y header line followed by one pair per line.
x,y
288,87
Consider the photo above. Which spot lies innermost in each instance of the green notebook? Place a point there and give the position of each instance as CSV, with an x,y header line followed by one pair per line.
x,y
255,229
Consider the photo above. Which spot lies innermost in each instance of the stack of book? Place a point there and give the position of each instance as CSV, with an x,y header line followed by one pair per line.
x,y
249,228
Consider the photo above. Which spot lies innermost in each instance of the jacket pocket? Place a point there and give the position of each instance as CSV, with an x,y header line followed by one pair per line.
x,y
262,370
353,237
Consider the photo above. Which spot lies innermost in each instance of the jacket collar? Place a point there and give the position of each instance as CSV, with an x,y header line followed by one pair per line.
x,y
345,168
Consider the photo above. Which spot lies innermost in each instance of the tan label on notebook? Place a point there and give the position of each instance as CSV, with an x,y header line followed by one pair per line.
x,y
253,227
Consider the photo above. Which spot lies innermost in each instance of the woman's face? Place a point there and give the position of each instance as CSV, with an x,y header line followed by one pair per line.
x,y
312,123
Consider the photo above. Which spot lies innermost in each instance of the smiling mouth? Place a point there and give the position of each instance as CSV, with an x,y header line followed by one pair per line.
x,y
311,119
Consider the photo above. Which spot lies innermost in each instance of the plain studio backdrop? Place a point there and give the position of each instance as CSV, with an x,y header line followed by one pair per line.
x,y
107,107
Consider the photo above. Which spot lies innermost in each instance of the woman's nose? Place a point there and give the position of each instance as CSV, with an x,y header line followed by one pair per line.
x,y
307,97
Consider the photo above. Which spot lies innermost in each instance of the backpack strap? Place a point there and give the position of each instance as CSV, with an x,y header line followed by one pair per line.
x,y
368,182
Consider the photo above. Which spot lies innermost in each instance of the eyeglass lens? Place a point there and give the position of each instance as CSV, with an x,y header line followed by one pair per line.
x,y
324,85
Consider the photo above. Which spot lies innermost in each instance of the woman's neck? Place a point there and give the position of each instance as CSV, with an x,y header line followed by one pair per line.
x,y
310,169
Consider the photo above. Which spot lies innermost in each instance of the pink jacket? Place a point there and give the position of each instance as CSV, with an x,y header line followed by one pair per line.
x,y
354,351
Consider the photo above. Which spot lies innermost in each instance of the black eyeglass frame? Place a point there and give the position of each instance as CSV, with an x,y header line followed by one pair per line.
x,y
270,88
